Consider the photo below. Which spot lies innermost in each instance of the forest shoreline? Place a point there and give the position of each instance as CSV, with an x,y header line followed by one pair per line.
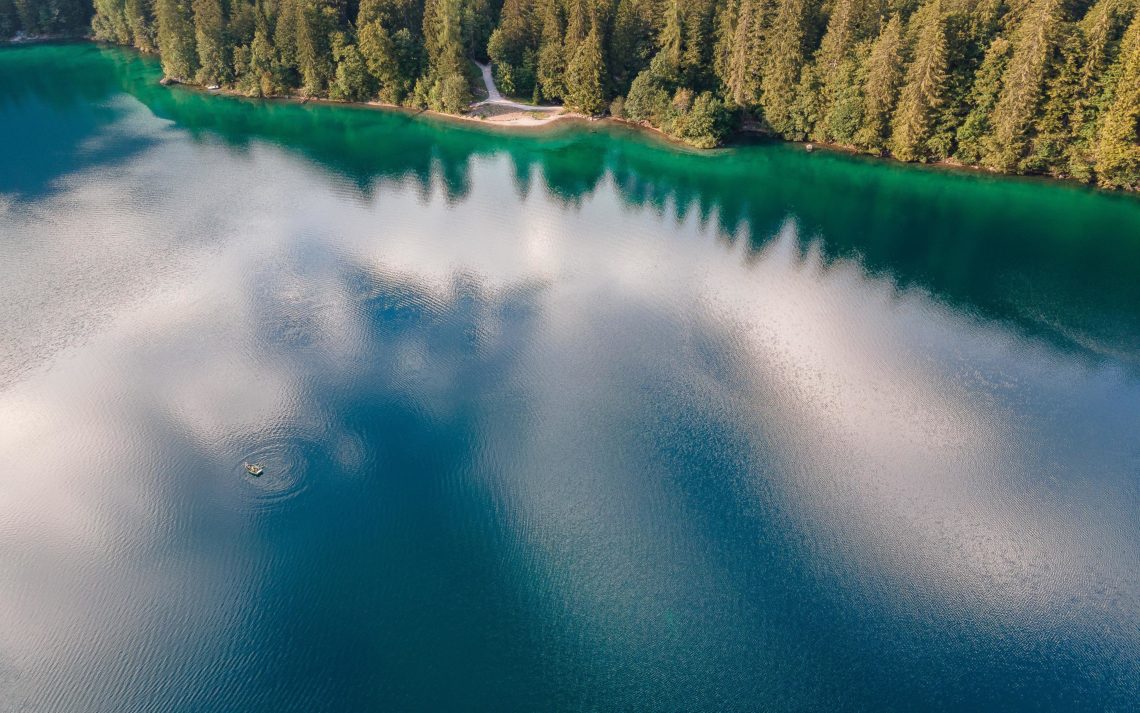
x,y
514,122
566,119
1049,89
504,123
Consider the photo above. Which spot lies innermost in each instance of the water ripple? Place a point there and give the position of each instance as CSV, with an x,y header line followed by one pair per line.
x,y
289,456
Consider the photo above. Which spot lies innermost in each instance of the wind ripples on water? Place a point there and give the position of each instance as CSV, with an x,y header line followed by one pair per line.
x,y
562,423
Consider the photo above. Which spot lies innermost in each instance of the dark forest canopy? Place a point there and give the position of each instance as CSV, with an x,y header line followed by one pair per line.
x,y
40,18
1017,86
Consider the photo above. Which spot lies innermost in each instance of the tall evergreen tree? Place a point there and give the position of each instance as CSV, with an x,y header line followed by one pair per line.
x,y
632,42
176,38
1100,31
672,39
838,72
314,51
446,79
263,60
1023,84
513,48
352,81
210,39
785,59
923,90
578,25
884,76
551,53
1118,150
746,53
584,77
290,16
379,55
698,44
727,14
976,129
1053,131
140,20
109,24
9,20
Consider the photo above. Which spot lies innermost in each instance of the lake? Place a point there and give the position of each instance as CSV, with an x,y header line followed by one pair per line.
x,y
565,420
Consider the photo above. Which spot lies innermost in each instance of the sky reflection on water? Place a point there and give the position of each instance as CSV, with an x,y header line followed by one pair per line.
x,y
566,423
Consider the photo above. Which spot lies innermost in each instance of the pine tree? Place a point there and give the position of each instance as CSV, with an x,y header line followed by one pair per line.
x,y
1053,133
551,55
727,14
672,39
785,60
746,54
1100,31
446,81
1101,28
443,31
512,48
967,36
352,81
577,26
109,24
697,55
176,38
837,73
1118,148
263,60
584,77
379,54
290,16
976,129
9,20
923,90
209,37
314,55
140,20
1023,84
844,113
632,41
884,75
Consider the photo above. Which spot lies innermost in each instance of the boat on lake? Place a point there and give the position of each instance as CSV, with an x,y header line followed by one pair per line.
x,y
253,469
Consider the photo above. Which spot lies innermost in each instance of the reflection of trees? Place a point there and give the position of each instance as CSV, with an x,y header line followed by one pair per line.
x,y
53,100
1006,249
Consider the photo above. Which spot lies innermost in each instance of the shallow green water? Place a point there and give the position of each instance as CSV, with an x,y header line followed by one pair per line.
x,y
563,421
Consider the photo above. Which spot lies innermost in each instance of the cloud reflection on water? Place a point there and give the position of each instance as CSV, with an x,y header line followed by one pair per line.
x,y
651,407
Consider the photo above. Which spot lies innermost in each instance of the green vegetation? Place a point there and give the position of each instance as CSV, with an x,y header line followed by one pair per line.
x,y
46,17
1033,86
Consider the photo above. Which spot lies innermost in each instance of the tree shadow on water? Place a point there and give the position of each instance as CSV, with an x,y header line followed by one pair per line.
x,y
57,113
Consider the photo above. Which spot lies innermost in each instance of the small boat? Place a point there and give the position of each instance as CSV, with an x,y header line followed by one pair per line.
x,y
253,469
214,87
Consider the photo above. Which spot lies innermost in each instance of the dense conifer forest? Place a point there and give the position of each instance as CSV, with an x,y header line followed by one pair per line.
x,y
44,17
1016,86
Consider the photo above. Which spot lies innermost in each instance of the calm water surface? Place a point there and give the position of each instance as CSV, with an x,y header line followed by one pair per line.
x,y
566,421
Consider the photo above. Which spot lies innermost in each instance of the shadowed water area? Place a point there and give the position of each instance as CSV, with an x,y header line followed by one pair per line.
x,y
570,420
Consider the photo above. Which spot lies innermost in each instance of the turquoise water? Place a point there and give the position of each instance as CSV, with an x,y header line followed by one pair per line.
x,y
569,420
